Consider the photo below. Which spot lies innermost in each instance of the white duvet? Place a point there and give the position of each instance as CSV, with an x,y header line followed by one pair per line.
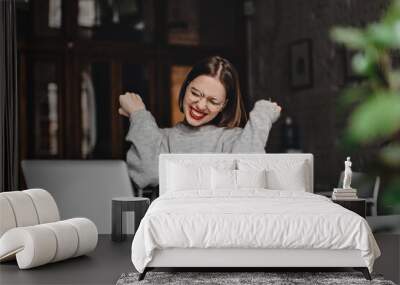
x,y
251,218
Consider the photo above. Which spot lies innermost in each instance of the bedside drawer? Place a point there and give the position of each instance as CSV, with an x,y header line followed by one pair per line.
x,y
357,206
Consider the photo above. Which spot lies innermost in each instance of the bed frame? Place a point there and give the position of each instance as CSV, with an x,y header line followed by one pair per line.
x,y
243,259
249,257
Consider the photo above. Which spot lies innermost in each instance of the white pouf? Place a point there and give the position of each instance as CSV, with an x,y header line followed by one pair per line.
x,y
31,232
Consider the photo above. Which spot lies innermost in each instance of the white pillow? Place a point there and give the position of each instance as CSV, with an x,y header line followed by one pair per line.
x,y
251,178
292,181
223,179
206,161
189,174
237,179
181,177
282,174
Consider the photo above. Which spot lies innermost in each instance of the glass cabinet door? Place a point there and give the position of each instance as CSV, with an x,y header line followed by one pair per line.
x,y
123,20
95,101
48,17
135,77
103,130
44,117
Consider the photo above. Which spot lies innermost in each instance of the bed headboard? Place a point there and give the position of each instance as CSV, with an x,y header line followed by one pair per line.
x,y
295,157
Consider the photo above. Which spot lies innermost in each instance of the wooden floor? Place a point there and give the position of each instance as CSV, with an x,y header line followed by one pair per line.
x,y
102,266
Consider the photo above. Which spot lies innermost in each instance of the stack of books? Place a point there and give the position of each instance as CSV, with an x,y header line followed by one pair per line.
x,y
344,194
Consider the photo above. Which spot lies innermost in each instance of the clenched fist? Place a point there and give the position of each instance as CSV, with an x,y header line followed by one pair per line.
x,y
130,102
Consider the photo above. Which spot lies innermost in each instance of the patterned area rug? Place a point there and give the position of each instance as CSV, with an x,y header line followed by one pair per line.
x,y
229,278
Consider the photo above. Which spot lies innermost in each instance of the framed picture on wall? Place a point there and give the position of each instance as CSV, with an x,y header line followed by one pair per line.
x,y
301,64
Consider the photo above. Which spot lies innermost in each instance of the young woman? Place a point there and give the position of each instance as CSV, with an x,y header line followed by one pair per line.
x,y
212,104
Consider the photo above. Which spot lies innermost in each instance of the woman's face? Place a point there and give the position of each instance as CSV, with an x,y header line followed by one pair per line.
x,y
204,99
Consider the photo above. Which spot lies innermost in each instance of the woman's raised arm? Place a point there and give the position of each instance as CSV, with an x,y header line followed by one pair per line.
x,y
147,141
254,135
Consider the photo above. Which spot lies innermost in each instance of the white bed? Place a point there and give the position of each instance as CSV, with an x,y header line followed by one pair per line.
x,y
282,224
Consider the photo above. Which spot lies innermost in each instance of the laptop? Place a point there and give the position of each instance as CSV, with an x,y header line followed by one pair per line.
x,y
81,188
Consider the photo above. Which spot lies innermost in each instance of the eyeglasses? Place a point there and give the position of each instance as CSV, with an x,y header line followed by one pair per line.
x,y
211,104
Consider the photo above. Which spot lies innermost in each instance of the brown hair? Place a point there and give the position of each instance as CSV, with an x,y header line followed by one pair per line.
x,y
233,114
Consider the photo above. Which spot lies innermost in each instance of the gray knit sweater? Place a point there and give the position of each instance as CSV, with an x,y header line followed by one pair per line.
x,y
148,140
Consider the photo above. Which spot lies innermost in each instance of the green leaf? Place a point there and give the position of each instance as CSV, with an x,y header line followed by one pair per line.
x,y
396,33
391,195
381,35
362,64
378,117
348,143
393,13
390,155
353,95
351,37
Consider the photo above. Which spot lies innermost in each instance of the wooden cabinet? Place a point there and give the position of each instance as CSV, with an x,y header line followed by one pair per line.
x,y
76,57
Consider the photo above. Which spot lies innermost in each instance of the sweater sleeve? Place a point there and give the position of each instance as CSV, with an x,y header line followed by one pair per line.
x,y
148,141
254,135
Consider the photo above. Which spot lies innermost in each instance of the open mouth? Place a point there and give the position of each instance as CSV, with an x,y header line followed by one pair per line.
x,y
196,114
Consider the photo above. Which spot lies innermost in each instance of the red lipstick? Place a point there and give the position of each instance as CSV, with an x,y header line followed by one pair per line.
x,y
194,116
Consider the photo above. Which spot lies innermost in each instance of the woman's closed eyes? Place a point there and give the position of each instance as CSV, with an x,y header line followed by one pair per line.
x,y
198,94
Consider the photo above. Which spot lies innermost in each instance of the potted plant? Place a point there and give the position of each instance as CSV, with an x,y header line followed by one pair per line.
x,y
375,101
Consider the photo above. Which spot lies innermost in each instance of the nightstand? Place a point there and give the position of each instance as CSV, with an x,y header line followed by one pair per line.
x,y
356,205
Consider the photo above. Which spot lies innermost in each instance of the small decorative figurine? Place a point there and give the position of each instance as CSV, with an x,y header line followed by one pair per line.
x,y
347,174
345,193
